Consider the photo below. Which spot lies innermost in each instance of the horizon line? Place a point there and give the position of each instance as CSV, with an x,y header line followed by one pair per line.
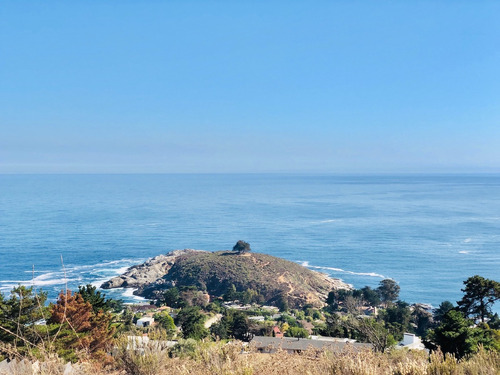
x,y
395,173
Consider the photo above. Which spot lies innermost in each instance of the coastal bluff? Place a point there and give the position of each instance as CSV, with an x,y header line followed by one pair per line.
x,y
274,278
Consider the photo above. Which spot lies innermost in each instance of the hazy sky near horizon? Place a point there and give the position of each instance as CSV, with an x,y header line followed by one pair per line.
x,y
249,86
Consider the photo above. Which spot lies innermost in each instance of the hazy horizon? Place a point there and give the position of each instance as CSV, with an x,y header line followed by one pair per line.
x,y
247,87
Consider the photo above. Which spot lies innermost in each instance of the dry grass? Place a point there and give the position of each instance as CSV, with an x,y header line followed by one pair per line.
x,y
235,359
208,358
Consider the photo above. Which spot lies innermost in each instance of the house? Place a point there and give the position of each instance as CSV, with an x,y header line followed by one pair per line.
x,y
277,332
411,341
258,318
369,311
270,308
145,321
332,339
236,306
142,308
141,343
266,344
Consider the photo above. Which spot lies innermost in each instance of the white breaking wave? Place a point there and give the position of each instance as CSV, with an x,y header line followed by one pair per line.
x,y
73,275
467,240
114,271
117,271
370,274
101,264
98,283
464,252
121,270
129,292
49,278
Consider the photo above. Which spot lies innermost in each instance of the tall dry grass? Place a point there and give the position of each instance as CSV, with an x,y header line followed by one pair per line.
x,y
234,358
209,358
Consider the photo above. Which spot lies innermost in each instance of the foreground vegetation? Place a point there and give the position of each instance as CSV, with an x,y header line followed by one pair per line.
x,y
202,358
190,331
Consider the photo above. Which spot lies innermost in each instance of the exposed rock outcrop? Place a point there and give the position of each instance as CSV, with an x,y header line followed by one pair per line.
x,y
148,272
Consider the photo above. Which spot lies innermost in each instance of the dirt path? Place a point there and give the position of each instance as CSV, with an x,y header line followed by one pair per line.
x,y
212,320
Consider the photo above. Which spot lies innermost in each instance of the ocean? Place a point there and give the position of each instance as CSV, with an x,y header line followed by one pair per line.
x,y
427,232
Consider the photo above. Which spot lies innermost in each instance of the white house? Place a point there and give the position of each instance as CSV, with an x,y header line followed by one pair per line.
x,y
411,341
145,321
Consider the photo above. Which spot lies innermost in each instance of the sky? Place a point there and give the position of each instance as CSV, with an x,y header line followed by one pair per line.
x,y
249,86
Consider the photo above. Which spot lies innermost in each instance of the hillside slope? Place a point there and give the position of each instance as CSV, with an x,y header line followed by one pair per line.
x,y
217,271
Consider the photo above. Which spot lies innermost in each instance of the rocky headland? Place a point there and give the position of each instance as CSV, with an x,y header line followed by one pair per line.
x,y
215,272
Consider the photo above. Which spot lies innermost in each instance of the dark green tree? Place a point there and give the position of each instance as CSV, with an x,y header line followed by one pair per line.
x,y
242,247
166,322
237,325
282,302
441,311
192,323
19,313
454,334
494,322
337,297
127,318
230,294
388,290
397,319
97,299
335,327
371,296
249,296
297,332
220,330
480,295
486,337
115,305
290,320
422,319
171,297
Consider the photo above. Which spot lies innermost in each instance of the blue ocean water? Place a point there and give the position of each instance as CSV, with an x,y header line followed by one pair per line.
x,y
429,233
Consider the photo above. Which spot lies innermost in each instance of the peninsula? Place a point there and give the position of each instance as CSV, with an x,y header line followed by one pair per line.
x,y
272,278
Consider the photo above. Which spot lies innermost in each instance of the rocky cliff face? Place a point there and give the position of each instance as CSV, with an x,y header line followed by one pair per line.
x,y
148,272
215,272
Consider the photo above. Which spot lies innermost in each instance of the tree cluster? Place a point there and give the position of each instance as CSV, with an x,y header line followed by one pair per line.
x,y
449,327
76,323
351,300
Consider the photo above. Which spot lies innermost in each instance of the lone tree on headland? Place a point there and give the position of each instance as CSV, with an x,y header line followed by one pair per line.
x,y
242,247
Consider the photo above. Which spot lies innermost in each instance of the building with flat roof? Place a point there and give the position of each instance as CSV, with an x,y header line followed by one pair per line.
x,y
266,344
145,321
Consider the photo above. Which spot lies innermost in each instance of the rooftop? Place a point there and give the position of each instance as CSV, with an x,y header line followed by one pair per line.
x,y
299,344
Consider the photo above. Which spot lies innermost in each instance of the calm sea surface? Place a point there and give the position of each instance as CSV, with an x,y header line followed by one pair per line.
x,y
429,233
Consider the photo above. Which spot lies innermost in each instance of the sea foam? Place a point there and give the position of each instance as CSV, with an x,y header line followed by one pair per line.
x,y
340,270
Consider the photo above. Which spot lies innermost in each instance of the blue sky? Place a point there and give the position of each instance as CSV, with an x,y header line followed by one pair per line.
x,y
235,86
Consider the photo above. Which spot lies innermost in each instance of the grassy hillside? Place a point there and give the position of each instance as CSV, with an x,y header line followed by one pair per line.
x,y
270,276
